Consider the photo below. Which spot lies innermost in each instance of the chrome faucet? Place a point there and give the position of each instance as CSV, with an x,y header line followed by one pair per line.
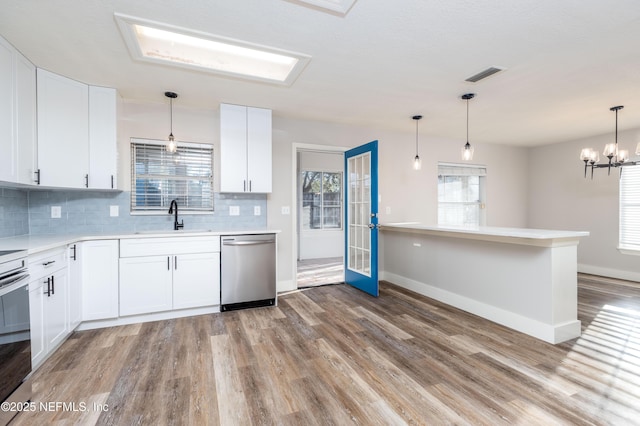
x,y
176,225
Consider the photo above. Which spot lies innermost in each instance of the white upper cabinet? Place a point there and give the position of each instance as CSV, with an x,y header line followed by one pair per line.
x,y
63,131
245,145
17,116
102,138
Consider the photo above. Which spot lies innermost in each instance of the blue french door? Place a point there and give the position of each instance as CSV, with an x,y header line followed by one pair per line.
x,y
361,217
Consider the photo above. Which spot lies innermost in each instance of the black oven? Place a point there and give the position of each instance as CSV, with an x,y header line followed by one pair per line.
x,y
15,335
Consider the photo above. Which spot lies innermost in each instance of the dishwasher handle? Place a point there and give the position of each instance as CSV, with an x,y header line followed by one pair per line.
x,y
247,242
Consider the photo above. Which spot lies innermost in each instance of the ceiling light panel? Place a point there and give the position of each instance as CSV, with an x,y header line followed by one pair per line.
x,y
339,6
165,44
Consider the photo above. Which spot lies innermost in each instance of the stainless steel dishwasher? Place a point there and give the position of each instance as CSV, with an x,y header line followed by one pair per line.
x,y
248,271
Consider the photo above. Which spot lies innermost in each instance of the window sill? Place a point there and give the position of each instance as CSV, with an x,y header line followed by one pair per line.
x,y
629,250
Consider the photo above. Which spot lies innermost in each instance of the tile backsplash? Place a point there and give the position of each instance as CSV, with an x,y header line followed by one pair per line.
x,y
14,212
89,212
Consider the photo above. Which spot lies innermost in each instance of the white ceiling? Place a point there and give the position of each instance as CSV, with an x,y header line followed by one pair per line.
x,y
567,62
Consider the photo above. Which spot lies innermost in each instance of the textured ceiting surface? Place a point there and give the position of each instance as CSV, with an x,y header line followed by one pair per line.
x,y
566,62
333,355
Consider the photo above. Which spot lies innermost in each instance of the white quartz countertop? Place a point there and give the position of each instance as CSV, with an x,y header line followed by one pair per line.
x,y
38,243
528,236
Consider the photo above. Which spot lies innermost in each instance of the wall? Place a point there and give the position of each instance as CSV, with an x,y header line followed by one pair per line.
x,y
14,213
561,198
319,243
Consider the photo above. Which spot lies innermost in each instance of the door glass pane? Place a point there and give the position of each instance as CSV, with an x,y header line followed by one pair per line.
x,y
359,257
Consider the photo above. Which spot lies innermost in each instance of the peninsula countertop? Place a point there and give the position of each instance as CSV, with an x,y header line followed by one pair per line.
x,y
523,236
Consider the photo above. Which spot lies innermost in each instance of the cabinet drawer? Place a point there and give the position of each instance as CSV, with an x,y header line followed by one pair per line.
x,y
46,263
135,247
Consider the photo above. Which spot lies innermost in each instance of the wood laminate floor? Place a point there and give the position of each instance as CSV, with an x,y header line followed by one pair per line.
x,y
333,355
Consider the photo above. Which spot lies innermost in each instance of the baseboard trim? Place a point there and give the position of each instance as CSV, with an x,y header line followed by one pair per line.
x,y
609,272
549,333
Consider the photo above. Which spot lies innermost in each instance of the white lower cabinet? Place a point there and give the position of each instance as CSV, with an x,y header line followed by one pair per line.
x,y
74,303
99,260
48,298
145,285
196,280
156,277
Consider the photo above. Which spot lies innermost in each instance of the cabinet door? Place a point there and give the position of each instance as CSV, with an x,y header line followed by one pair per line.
x,y
63,130
102,138
36,314
196,280
99,279
55,310
259,149
7,145
145,285
233,148
25,107
74,302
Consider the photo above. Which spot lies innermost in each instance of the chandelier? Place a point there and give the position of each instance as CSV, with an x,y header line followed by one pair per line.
x,y
617,157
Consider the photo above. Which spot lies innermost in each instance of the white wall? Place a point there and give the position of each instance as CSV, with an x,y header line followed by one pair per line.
x,y
561,198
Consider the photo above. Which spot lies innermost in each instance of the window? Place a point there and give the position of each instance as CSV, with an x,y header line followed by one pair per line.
x,y
630,208
157,177
321,200
461,194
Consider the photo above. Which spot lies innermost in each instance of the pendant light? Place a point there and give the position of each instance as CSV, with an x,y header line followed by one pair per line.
x,y
617,158
417,164
467,149
172,147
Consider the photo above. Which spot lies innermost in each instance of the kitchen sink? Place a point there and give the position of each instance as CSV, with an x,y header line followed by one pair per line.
x,y
170,231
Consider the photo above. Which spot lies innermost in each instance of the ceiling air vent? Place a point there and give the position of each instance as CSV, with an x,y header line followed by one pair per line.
x,y
484,74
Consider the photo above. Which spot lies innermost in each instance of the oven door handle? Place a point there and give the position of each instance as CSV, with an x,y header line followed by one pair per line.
x,y
9,284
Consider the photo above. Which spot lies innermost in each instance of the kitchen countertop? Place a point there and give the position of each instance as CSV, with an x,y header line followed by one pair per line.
x,y
38,243
525,236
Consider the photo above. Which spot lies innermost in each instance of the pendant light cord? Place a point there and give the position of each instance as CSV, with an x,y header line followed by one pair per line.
x,y
417,138
467,120
171,115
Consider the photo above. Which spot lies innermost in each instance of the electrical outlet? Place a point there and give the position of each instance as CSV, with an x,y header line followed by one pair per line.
x,y
56,212
114,211
256,211
234,210
286,210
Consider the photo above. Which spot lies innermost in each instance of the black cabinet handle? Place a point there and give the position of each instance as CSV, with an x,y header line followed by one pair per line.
x,y
74,252
53,286
111,181
48,263
168,263
175,262
86,180
48,292
37,173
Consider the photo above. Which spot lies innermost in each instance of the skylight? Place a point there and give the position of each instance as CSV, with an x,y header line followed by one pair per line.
x,y
160,43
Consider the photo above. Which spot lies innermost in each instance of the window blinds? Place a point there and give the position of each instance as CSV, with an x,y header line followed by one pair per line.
x,y
630,208
157,177
449,169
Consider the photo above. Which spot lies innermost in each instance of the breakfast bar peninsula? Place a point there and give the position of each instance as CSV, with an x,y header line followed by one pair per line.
x,y
525,279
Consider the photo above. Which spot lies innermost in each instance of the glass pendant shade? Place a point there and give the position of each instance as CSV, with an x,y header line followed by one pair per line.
x,y
609,150
172,147
595,156
467,152
417,164
623,155
585,154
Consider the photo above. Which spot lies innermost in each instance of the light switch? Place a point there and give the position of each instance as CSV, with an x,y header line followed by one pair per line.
x,y
114,211
256,210
56,212
234,210
387,210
